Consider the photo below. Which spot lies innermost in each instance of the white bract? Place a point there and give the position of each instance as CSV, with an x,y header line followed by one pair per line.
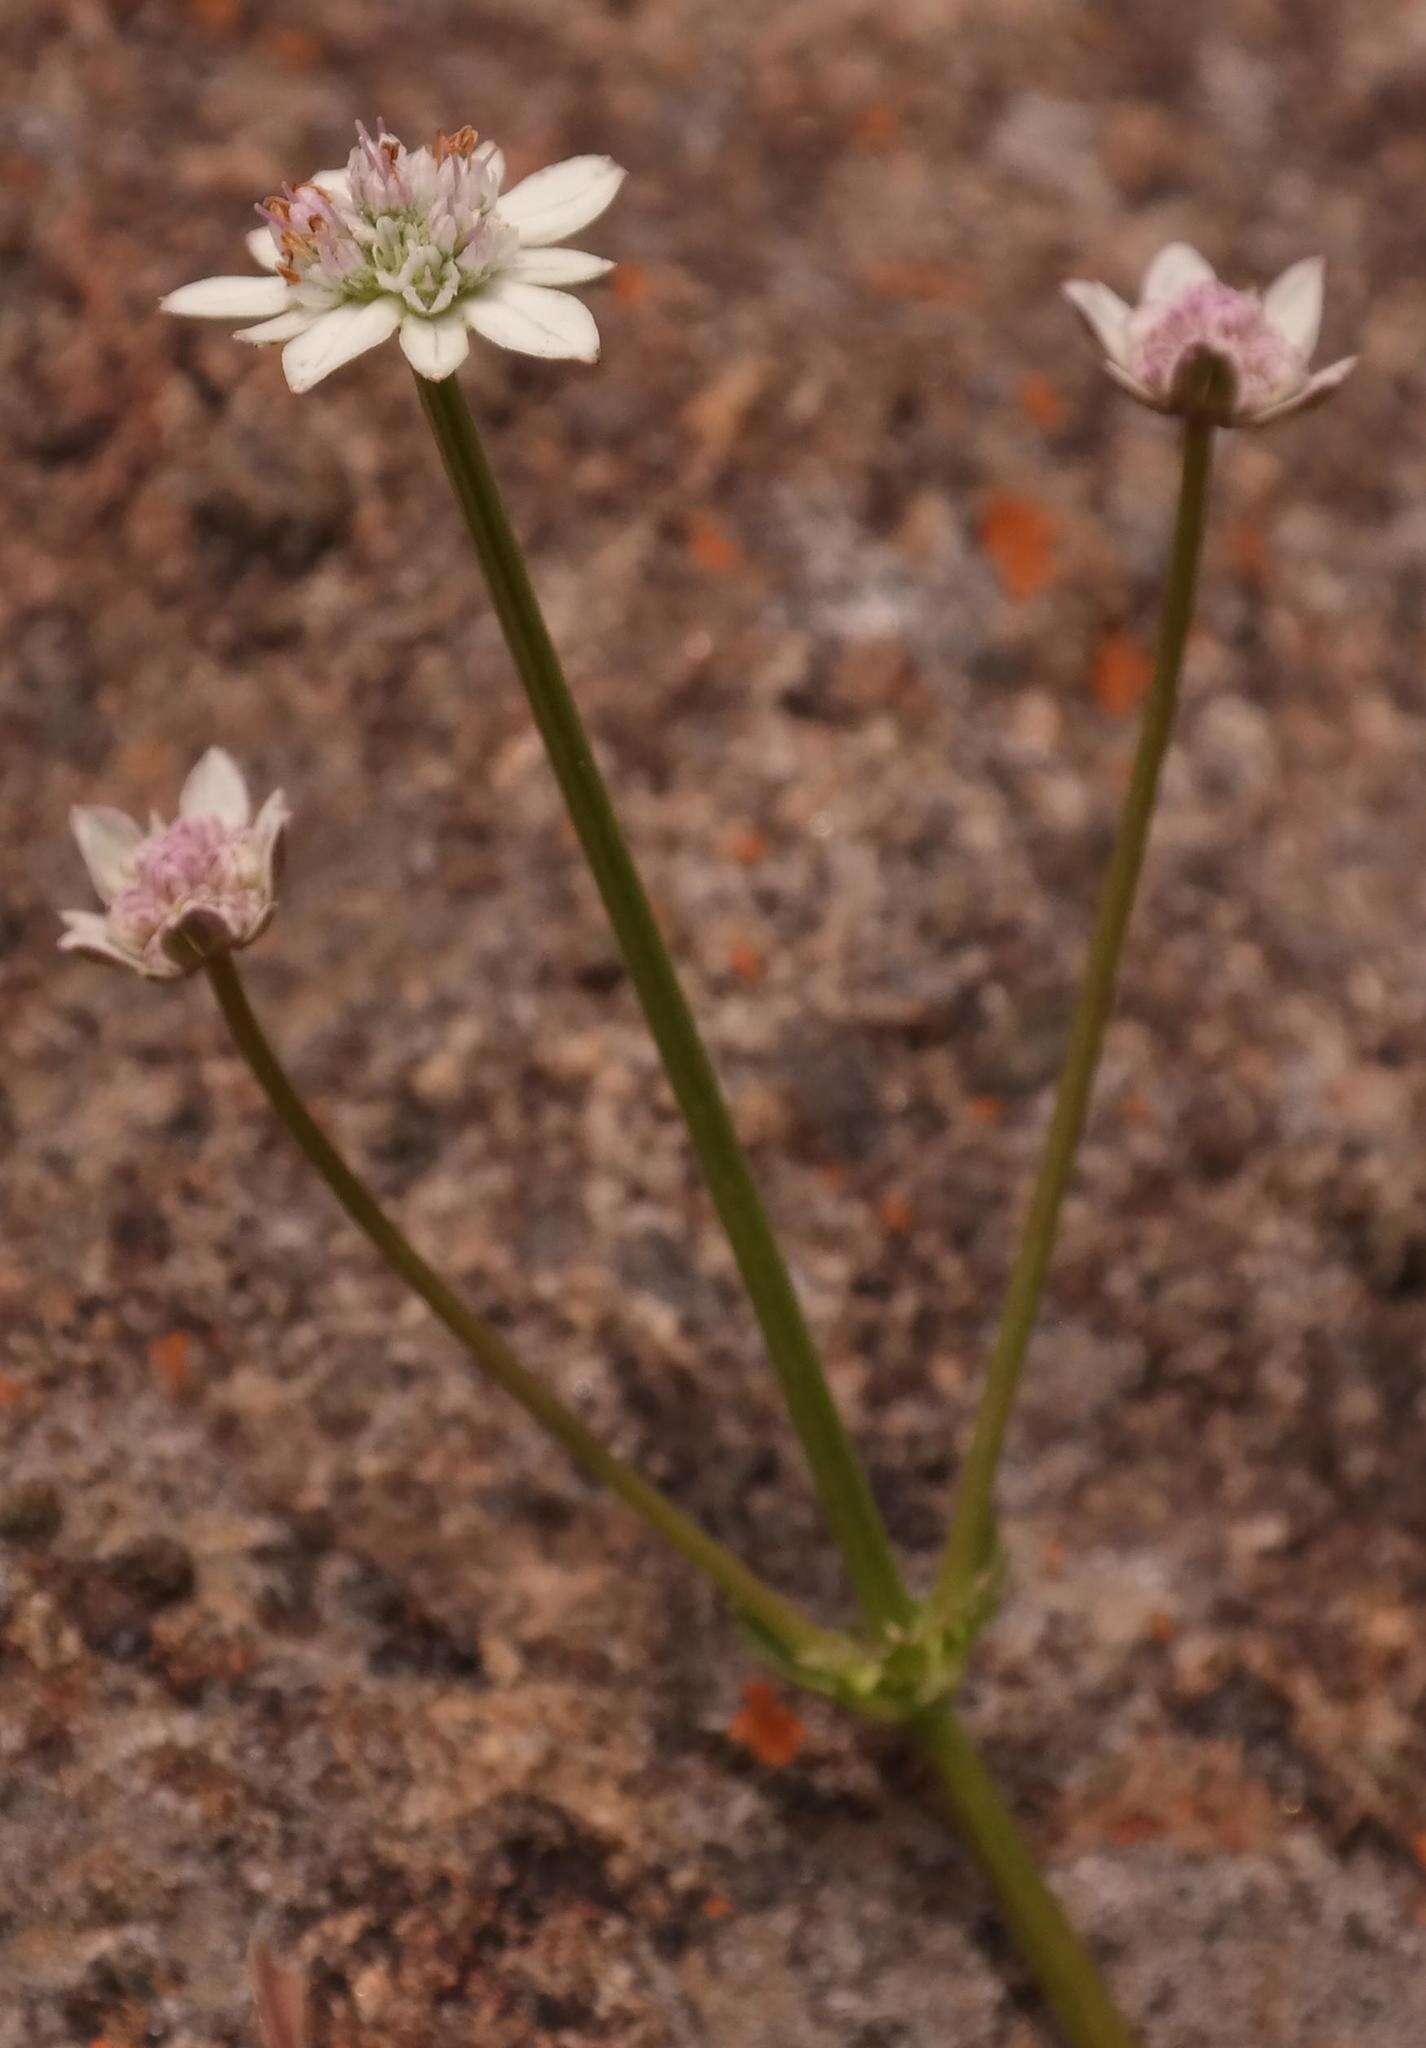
x,y
180,894
1196,347
422,243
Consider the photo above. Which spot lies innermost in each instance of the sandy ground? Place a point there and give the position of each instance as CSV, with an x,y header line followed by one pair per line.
x,y
853,552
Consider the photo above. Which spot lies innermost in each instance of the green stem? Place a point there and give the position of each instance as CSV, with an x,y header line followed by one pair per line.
x,y
841,1483
968,1545
1063,1967
495,1358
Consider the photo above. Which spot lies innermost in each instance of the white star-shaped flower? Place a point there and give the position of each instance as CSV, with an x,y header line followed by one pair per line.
x,y
180,893
1196,347
420,243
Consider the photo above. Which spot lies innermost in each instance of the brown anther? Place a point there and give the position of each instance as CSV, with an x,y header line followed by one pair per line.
x,y
279,204
462,143
286,270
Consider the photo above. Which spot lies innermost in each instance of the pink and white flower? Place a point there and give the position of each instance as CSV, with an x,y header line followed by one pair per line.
x,y
1197,347
420,243
179,894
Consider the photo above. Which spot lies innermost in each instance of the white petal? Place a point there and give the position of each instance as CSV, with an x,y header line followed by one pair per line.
x,y
262,247
1135,389
1324,382
336,184
228,298
282,328
1104,313
492,155
88,925
216,789
434,348
337,337
552,203
555,266
1294,303
535,321
88,933
269,828
108,840
1174,270
1314,391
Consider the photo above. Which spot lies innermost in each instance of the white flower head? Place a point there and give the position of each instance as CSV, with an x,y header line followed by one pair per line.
x,y
420,242
1197,347
180,894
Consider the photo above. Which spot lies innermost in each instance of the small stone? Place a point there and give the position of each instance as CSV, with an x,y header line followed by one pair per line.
x,y
156,1573
30,1512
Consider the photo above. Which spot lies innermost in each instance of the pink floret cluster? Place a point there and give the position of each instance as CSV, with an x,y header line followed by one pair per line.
x,y
1214,320
419,224
194,869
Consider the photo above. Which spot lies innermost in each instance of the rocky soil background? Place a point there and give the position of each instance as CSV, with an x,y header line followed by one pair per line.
x,y
853,552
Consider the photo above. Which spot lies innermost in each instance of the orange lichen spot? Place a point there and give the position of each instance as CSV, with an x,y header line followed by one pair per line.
x,y
218,17
716,1907
1041,402
1162,1627
766,1726
985,1109
168,1355
1019,535
291,49
716,551
1132,1830
631,284
895,1212
1121,674
1053,1558
1248,552
11,1391
746,962
746,845
876,126
21,173
928,284
1418,1847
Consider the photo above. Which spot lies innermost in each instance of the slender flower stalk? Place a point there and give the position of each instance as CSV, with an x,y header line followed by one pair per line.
x,y
841,1483
968,1546
280,1995
767,1610
1063,1966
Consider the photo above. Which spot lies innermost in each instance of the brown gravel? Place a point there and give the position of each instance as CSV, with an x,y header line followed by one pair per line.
x,y
853,552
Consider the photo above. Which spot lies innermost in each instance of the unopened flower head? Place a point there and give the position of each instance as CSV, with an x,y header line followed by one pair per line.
x,y
1197,347
423,243
180,894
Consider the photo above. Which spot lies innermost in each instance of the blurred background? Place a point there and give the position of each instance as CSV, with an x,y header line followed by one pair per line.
x,y
853,553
